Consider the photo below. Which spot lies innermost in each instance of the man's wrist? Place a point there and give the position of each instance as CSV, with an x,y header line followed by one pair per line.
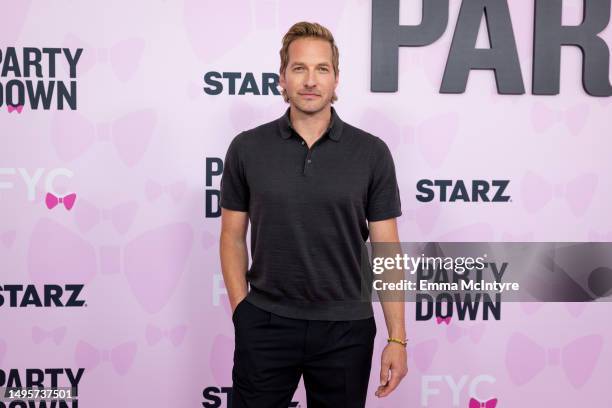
x,y
397,333
236,300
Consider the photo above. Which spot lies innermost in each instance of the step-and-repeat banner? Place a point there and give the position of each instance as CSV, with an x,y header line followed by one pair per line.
x,y
114,122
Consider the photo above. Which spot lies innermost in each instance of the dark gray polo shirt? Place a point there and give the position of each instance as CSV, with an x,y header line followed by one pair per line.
x,y
308,210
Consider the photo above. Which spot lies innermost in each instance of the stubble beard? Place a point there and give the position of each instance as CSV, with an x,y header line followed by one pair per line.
x,y
310,108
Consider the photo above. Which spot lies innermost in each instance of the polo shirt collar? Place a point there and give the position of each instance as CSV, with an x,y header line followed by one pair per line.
x,y
334,129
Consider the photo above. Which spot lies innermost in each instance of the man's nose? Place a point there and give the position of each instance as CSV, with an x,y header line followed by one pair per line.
x,y
311,79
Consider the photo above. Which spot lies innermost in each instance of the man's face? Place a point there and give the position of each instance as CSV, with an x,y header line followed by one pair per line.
x,y
309,78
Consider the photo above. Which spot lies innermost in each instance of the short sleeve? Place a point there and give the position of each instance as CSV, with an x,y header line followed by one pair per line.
x,y
234,188
383,192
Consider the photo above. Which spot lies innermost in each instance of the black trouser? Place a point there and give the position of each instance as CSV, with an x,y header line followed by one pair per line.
x,y
272,352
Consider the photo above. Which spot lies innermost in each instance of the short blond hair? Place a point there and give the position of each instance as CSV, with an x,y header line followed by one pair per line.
x,y
304,29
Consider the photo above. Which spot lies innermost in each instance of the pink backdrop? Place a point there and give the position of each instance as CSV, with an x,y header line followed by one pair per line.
x,y
156,328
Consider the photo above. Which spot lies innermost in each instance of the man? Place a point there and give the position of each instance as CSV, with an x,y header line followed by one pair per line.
x,y
313,188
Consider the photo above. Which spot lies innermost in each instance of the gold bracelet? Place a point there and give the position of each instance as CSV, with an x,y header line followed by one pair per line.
x,y
398,341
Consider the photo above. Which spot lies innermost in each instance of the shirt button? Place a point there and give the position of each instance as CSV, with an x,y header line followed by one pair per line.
x,y
302,142
309,160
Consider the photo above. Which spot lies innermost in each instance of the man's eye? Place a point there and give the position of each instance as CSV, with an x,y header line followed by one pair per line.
x,y
323,69
297,68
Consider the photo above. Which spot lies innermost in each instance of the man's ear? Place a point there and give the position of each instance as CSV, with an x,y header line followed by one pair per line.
x,y
282,79
337,79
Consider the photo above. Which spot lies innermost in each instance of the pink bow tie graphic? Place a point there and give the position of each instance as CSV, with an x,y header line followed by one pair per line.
x,y
176,334
12,108
121,216
531,307
8,237
574,118
536,192
432,138
573,308
243,115
194,13
176,190
446,320
209,239
474,403
161,252
120,357
424,216
525,358
72,134
423,353
51,200
454,333
39,334
123,57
